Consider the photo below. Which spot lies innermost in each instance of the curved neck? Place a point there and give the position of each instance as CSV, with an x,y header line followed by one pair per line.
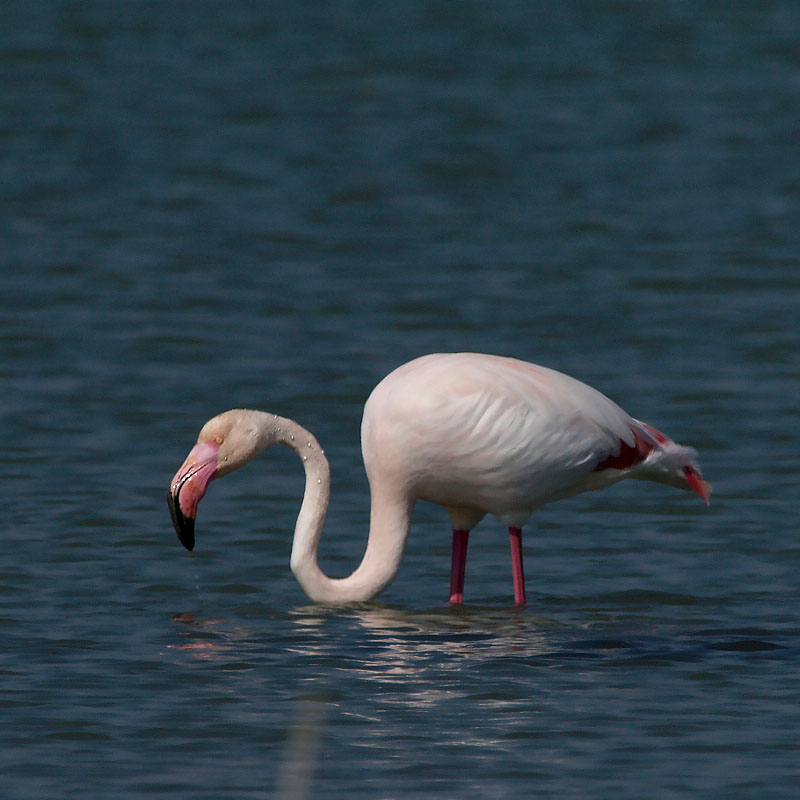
x,y
390,515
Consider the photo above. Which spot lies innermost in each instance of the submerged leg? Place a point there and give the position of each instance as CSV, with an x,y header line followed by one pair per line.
x,y
515,536
458,566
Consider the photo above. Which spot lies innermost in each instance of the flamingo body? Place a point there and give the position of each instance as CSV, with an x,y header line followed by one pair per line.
x,y
485,434
474,433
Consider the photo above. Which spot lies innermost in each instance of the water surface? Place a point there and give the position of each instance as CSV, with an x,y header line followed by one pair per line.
x,y
207,207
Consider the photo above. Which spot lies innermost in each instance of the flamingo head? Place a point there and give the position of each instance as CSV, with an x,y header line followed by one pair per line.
x,y
226,442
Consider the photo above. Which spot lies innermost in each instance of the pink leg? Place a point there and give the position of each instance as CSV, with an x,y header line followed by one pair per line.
x,y
515,535
458,566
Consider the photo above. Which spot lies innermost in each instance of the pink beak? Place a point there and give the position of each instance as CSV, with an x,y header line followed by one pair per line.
x,y
695,480
188,487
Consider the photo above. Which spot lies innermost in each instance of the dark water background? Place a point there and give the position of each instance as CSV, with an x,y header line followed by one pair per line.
x,y
206,205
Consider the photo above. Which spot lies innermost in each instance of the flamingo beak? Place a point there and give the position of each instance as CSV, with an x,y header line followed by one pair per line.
x,y
696,483
188,487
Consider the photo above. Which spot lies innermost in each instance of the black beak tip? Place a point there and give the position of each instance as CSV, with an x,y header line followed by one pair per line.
x,y
184,526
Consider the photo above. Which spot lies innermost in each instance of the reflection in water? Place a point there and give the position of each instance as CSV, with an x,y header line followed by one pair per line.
x,y
353,685
208,639
296,772
212,640
372,673
412,657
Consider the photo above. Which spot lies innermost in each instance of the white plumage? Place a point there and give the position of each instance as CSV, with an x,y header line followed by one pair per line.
x,y
475,433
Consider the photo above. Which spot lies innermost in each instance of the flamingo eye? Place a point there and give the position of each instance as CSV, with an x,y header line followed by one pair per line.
x,y
219,439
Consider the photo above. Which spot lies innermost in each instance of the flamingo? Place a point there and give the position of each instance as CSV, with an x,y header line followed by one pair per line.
x,y
477,434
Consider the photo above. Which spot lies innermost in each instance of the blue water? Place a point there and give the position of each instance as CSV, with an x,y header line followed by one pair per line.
x,y
212,205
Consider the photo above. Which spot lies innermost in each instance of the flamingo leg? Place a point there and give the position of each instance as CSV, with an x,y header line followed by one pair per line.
x,y
458,566
515,536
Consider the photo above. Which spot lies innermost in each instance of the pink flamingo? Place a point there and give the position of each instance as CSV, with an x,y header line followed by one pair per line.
x,y
477,434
